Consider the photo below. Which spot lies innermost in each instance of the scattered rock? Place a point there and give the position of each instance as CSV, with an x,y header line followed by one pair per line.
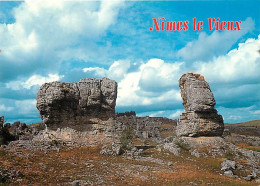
x,y
193,183
229,173
200,117
228,165
5,135
76,183
173,148
134,153
115,149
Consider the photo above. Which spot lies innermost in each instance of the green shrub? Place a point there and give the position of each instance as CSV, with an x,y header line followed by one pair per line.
x,y
126,137
182,145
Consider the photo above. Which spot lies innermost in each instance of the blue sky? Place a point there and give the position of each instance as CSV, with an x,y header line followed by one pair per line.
x,y
67,41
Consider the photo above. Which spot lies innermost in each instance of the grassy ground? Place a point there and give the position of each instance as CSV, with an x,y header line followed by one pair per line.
x,y
85,163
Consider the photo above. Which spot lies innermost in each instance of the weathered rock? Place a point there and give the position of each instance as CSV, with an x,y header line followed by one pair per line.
x,y
226,132
2,140
74,105
115,150
200,117
5,136
230,174
76,183
134,153
173,148
228,165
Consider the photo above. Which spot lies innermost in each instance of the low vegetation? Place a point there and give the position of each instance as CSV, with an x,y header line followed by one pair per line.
x,y
86,164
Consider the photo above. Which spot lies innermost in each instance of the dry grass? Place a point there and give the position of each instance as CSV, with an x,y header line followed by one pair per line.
x,y
61,168
253,123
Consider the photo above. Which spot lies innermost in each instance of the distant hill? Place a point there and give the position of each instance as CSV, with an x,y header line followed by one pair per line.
x,y
253,123
249,128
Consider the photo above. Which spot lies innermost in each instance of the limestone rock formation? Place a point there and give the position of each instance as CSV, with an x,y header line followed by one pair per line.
x,y
5,136
200,117
2,140
76,105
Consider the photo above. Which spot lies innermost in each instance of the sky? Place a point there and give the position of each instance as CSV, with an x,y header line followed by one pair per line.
x,y
44,41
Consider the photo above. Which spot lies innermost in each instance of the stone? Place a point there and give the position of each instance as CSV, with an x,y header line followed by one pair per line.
x,y
169,163
200,117
229,173
249,177
115,149
76,183
2,139
228,165
75,105
173,148
226,132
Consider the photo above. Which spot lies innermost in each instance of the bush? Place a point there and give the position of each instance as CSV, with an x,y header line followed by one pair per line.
x,y
126,137
182,145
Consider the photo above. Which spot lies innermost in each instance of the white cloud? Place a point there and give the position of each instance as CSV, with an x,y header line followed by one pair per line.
x,y
3,108
238,64
157,114
153,82
26,107
176,114
118,69
256,112
45,33
208,46
98,72
156,74
32,81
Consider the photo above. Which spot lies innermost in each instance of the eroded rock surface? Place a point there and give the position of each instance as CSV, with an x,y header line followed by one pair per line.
x,y
2,140
200,117
77,105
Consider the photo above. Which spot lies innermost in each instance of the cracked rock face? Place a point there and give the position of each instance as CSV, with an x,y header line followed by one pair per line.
x,y
200,117
75,105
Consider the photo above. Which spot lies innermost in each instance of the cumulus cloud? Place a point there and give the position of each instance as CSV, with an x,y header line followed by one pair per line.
x,y
32,81
241,64
153,85
3,108
26,44
172,114
208,46
176,114
116,71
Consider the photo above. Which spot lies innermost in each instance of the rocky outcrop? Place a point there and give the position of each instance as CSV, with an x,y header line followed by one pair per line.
x,y
1,121
200,117
2,140
5,136
77,105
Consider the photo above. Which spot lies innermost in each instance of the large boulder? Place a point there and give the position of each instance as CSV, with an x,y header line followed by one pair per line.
x,y
76,105
200,117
